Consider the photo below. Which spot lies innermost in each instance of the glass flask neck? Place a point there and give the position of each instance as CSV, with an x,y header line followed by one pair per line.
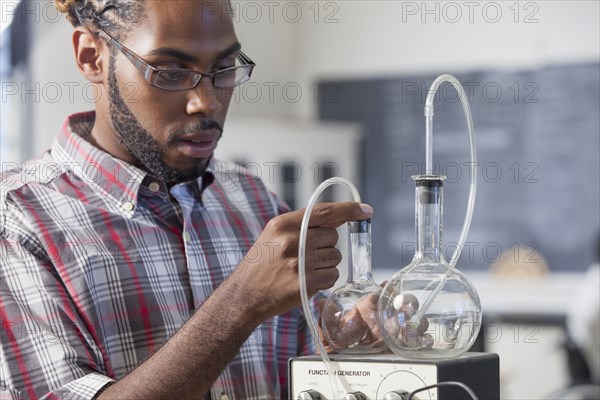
x,y
428,215
359,246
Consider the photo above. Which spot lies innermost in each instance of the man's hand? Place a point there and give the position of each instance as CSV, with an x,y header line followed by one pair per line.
x,y
269,272
265,284
357,327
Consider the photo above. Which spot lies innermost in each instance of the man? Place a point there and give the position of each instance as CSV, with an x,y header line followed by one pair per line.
x,y
133,268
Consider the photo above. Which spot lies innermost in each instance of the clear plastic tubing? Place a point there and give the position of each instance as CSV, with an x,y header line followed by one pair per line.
x,y
429,112
302,270
429,151
429,171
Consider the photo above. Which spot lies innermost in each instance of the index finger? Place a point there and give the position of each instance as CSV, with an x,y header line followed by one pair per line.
x,y
333,215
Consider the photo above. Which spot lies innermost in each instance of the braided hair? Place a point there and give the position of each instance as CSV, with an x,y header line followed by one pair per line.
x,y
113,16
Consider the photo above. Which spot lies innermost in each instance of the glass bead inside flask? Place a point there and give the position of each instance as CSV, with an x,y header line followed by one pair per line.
x,y
429,310
349,316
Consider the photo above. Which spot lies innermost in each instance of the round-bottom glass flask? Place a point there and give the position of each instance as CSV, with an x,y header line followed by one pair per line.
x,y
429,310
349,316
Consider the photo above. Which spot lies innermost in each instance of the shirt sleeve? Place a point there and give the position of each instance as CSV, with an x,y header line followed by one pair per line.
x,y
46,349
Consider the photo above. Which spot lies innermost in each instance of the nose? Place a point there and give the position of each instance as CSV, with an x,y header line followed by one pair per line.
x,y
204,98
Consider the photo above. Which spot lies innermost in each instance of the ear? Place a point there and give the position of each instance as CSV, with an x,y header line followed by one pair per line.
x,y
89,54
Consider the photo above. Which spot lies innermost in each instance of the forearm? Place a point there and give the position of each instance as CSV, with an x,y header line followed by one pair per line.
x,y
187,365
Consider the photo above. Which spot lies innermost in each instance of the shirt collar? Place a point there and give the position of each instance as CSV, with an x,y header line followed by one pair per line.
x,y
116,179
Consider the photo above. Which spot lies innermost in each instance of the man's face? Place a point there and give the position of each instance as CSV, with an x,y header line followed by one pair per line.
x,y
172,134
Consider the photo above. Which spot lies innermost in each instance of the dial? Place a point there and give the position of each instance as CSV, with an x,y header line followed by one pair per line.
x,y
407,381
355,396
396,395
309,395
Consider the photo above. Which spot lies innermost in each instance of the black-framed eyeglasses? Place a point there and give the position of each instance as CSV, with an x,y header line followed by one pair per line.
x,y
185,79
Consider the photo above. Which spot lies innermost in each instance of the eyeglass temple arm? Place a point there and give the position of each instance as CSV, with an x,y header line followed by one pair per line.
x,y
245,59
140,65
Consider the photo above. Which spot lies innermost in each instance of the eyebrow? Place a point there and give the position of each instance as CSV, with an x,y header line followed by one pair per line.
x,y
180,55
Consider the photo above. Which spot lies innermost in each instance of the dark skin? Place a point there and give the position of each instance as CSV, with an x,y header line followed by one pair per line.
x,y
192,359
174,26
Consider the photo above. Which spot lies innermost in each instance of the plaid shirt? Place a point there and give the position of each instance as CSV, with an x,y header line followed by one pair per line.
x,y
101,264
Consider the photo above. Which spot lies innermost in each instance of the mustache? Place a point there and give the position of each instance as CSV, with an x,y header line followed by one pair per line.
x,y
199,127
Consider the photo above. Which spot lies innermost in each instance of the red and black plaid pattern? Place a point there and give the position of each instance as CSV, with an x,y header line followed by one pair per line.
x,y
101,264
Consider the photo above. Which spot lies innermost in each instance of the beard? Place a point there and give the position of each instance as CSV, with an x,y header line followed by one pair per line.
x,y
140,144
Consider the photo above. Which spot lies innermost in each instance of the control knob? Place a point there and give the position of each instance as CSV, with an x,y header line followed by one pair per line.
x,y
355,396
396,395
309,395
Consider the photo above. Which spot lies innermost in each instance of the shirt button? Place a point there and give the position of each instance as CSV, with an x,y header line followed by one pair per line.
x,y
154,187
128,206
187,237
224,397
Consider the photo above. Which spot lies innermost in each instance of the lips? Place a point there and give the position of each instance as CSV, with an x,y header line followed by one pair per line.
x,y
198,145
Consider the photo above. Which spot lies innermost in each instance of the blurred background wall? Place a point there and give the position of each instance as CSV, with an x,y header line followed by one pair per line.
x,y
338,90
299,43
